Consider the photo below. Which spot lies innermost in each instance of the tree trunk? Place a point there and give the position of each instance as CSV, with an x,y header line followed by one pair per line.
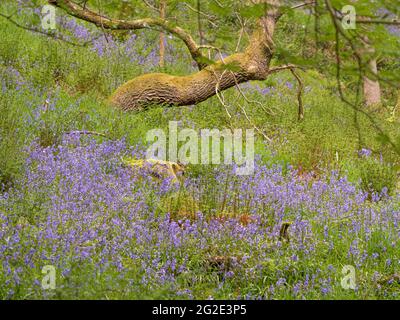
x,y
372,89
201,34
163,8
155,89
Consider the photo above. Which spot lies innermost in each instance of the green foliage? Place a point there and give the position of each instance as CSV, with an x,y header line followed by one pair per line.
x,y
377,176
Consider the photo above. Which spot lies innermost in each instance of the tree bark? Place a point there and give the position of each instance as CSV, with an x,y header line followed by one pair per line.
x,y
163,8
372,89
158,88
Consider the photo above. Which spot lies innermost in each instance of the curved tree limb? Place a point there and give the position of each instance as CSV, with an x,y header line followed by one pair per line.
x,y
101,21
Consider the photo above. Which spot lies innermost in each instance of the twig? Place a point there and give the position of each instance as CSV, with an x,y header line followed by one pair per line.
x,y
300,87
299,94
85,132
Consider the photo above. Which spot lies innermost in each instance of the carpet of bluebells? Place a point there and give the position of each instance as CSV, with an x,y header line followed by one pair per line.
x,y
106,231
113,233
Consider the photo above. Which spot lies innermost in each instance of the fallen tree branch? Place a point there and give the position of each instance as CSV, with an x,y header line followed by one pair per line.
x,y
85,132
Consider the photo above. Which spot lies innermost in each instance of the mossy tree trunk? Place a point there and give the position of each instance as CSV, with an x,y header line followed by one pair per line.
x,y
159,88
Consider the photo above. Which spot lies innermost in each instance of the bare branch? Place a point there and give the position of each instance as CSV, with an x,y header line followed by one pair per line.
x,y
299,94
394,22
151,6
300,87
370,20
209,17
305,4
284,67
